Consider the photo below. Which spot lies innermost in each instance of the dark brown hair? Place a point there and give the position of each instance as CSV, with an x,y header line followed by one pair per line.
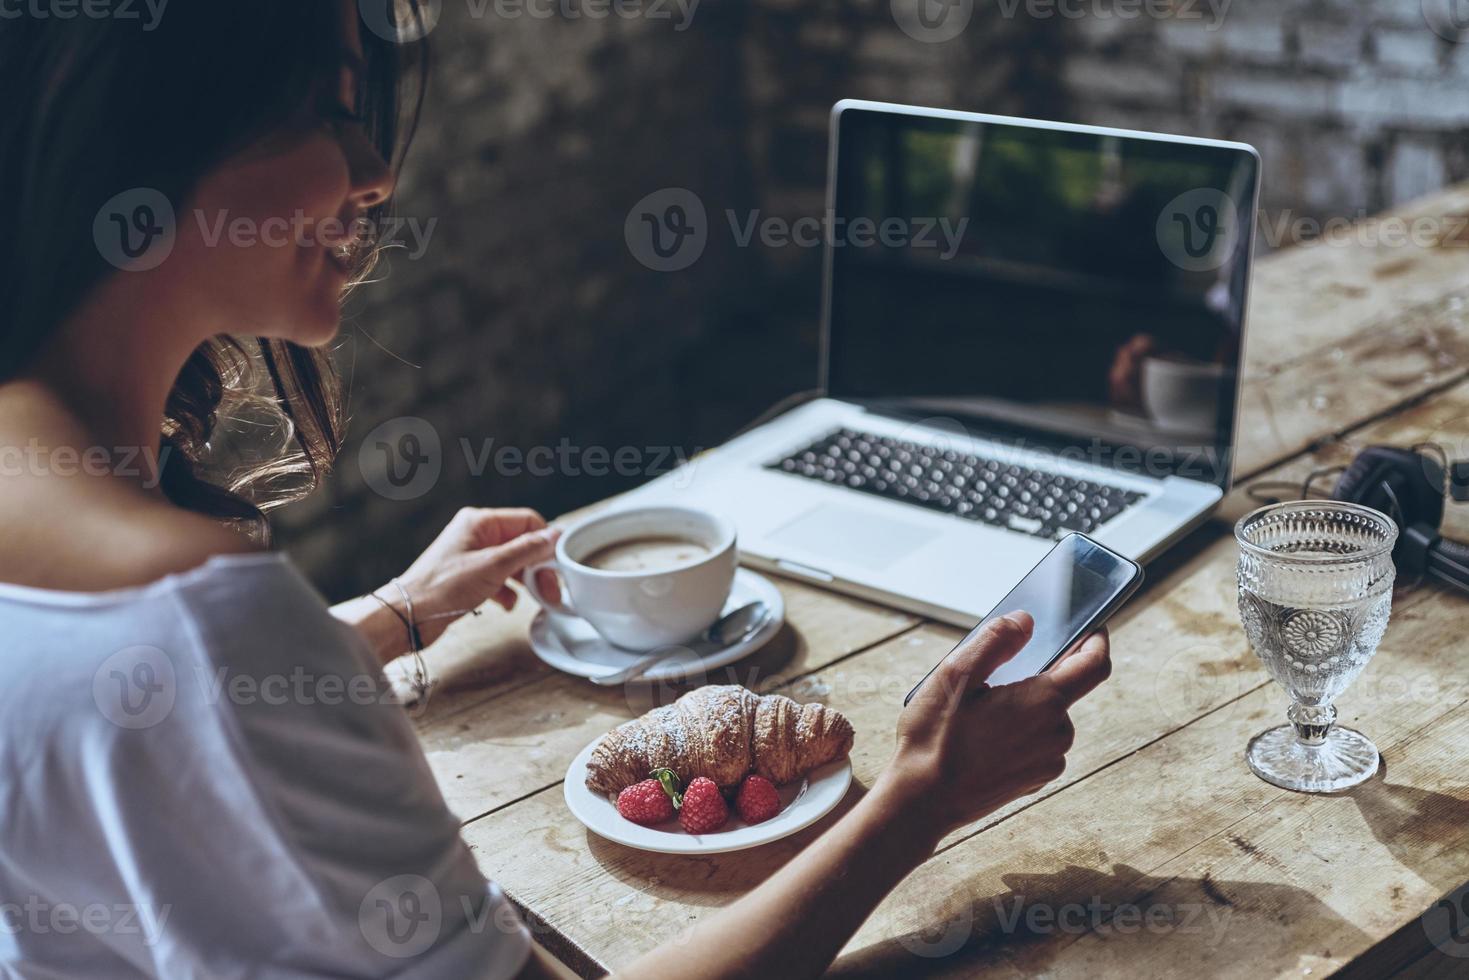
x,y
99,106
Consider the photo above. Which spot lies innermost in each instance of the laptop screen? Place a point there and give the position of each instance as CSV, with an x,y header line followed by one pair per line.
x,y
1072,291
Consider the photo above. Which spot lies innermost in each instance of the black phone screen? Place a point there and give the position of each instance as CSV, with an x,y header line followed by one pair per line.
x,y
1067,593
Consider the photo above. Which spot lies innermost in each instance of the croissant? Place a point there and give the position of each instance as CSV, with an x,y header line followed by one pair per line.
x,y
724,732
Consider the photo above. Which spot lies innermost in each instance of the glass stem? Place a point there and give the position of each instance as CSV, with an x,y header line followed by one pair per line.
x,y
1312,722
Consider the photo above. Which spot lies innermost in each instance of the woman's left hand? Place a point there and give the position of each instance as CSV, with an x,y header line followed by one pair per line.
x,y
473,560
470,562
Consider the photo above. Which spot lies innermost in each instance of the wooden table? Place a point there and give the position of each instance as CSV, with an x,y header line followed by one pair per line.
x,y
1158,853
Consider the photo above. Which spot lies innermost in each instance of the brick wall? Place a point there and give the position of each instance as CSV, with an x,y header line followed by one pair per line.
x,y
533,323
1354,105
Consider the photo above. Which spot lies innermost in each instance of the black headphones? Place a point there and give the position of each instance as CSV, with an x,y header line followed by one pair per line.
x,y
1410,486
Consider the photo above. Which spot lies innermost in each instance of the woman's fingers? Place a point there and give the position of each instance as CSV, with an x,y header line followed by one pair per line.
x,y
1081,670
548,584
506,598
968,667
505,561
493,526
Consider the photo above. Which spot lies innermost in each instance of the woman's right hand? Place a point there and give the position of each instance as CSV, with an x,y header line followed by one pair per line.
x,y
966,749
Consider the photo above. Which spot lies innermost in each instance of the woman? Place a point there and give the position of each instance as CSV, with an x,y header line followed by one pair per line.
x,y
222,831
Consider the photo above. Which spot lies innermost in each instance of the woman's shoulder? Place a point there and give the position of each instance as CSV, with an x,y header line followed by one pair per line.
x,y
167,540
100,540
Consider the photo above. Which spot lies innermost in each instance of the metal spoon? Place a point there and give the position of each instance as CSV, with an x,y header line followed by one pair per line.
x,y
728,630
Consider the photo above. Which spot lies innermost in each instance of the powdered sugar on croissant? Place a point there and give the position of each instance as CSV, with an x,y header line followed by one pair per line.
x,y
724,732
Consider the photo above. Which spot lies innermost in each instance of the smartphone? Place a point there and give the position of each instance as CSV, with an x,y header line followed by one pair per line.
x,y
1074,589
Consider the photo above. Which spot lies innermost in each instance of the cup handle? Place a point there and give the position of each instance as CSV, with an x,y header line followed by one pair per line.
x,y
561,608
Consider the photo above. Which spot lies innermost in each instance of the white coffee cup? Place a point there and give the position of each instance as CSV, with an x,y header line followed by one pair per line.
x,y
1181,396
646,608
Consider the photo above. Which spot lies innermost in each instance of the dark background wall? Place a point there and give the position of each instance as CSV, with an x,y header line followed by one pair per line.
x,y
519,313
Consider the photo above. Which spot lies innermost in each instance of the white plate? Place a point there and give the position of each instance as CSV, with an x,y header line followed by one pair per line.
x,y
805,802
588,654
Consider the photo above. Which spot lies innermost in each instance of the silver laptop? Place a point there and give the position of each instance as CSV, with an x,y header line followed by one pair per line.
x,y
1029,328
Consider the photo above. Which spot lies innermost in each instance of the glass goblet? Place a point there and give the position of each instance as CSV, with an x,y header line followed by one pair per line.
x,y
1315,591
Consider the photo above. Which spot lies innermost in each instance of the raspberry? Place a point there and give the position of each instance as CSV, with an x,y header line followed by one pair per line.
x,y
645,803
757,799
704,809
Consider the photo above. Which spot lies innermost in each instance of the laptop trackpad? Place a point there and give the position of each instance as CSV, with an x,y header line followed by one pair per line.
x,y
853,536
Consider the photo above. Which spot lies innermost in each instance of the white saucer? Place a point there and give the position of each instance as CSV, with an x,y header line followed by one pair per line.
x,y
588,654
805,802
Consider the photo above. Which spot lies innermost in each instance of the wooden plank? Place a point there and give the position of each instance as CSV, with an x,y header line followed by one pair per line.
x,y
608,899
509,745
1239,879
1179,656
1197,614
1442,419
1339,333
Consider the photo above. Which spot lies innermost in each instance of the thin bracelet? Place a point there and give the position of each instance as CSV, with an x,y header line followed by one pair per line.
x,y
389,607
419,680
413,635
420,668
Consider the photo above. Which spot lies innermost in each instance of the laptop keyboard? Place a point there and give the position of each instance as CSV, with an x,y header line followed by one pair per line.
x,y
1008,495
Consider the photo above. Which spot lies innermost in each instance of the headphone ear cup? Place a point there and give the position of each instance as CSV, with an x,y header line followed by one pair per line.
x,y
1360,478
